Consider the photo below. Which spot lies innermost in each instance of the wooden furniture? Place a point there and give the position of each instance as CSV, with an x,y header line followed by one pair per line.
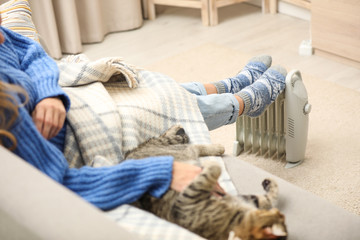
x,y
209,8
203,5
269,6
213,8
335,29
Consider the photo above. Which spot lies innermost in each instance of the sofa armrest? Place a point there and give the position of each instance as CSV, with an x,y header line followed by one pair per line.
x,y
33,206
307,216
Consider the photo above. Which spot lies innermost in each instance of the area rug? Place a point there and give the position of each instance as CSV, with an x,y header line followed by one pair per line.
x,y
331,168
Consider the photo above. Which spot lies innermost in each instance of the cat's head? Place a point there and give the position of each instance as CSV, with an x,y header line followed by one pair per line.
x,y
261,224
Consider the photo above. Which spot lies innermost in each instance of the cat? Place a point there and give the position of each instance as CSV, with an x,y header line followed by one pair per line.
x,y
197,209
174,142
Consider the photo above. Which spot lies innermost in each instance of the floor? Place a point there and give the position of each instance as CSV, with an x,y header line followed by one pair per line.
x,y
241,27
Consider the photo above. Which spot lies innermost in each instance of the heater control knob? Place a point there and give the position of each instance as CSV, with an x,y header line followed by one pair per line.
x,y
307,108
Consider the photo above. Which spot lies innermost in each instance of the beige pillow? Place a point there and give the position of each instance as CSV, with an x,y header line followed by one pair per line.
x,y
16,16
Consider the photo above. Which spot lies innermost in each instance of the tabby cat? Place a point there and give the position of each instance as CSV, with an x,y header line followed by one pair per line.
x,y
197,208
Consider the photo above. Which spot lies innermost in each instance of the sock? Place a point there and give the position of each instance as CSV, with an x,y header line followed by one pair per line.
x,y
251,72
263,92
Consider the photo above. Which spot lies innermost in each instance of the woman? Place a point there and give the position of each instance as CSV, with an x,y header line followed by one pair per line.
x,y
33,109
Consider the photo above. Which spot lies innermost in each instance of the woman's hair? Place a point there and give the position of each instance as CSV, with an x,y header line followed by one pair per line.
x,y
9,110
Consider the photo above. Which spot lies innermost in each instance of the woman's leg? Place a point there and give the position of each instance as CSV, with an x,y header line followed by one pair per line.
x,y
249,74
216,109
223,109
219,109
255,91
263,92
195,88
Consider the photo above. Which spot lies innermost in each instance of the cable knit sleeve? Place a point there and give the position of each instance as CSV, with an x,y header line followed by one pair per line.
x,y
104,187
109,187
41,68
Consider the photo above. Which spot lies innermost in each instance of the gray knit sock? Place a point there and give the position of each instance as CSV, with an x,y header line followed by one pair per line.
x,y
251,72
263,92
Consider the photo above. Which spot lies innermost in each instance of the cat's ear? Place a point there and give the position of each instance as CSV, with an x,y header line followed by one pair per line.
x,y
180,132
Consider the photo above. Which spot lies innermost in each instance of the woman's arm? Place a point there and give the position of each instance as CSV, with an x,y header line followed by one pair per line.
x,y
41,68
105,187
109,187
49,100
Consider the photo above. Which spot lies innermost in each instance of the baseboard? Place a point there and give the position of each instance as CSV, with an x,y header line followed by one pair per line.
x,y
295,11
288,9
337,58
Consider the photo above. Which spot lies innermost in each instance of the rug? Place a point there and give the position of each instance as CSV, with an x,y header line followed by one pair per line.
x,y
331,168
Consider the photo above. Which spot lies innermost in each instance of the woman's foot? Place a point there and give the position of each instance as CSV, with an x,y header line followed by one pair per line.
x,y
263,92
251,72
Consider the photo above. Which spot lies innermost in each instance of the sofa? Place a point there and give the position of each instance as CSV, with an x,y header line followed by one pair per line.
x,y
32,206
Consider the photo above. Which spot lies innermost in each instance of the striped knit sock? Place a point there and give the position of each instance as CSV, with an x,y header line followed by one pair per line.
x,y
251,72
263,92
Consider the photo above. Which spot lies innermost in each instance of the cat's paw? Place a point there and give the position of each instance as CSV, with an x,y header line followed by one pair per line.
x,y
211,149
218,149
205,183
269,184
212,170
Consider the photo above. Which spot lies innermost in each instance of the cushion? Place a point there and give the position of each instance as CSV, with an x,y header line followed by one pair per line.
x,y
16,15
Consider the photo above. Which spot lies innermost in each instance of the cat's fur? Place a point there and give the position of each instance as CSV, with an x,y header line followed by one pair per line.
x,y
197,208
174,142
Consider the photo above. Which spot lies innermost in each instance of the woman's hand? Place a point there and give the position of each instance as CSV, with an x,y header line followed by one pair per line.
x,y
184,174
49,116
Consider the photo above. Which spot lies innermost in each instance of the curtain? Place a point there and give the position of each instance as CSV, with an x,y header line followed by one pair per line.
x,y
64,25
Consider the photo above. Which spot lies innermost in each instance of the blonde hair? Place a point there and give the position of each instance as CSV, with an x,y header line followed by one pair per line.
x,y
9,110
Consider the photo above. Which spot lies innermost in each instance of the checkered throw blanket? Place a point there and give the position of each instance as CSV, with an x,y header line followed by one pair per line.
x,y
114,108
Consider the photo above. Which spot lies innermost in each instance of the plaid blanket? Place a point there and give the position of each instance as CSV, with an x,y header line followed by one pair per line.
x,y
114,108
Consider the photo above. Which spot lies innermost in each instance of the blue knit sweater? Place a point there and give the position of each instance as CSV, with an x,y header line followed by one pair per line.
x,y
24,62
